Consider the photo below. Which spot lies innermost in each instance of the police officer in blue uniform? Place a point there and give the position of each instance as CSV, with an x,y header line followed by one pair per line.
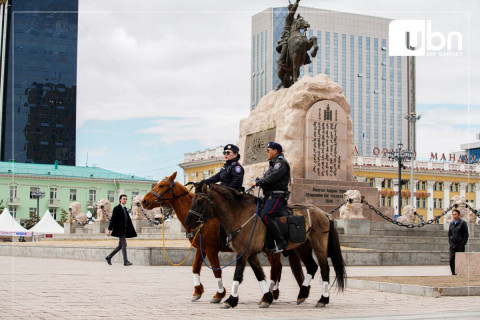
x,y
231,175
275,190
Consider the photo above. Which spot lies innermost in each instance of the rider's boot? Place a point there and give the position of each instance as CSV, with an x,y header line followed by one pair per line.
x,y
280,242
283,56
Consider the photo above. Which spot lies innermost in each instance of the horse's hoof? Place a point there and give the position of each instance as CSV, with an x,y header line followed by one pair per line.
x,y
218,296
303,294
276,294
264,305
231,302
195,298
267,299
322,303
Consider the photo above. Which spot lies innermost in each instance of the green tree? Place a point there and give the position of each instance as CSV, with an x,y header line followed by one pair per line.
x,y
2,206
32,220
63,217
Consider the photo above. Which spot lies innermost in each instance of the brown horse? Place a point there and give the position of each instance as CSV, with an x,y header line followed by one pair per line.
x,y
171,192
233,210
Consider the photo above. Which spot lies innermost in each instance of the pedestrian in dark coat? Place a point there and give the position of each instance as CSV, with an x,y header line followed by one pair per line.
x,y
121,226
457,237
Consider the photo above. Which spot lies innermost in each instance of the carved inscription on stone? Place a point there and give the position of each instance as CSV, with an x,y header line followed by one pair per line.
x,y
325,196
326,141
256,146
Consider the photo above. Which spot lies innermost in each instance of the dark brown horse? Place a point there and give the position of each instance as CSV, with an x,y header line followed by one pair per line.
x,y
233,210
171,192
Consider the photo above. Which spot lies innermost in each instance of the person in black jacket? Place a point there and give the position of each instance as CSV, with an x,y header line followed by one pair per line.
x,y
457,237
275,191
121,226
231,174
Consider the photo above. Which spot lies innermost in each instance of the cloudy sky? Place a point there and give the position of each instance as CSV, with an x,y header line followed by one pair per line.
x,y
157,79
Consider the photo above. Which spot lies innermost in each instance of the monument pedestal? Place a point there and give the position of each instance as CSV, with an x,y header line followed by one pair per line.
x,y
99,227
69,227
356,227
327,194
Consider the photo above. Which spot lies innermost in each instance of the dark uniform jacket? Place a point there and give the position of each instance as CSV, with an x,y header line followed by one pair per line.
x,y
119,226
457,233
230,175
277,176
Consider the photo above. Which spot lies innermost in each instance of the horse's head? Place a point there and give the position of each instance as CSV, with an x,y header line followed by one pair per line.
x,y
161,194
300,23
201,209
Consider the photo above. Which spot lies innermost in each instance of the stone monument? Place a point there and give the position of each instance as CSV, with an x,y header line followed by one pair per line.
x,y
311,120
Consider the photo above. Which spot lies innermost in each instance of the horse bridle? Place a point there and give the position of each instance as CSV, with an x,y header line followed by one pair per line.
x,y
172,187
201,219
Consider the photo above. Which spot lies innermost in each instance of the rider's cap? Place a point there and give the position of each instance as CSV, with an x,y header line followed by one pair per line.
x,y
276,146
232,147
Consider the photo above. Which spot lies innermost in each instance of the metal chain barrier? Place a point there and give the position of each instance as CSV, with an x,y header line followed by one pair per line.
x,y
475,211
75,219
146,216
409,225
105,213
338,207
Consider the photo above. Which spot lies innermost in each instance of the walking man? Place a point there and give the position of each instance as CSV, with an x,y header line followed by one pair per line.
x,y
122,227
457,237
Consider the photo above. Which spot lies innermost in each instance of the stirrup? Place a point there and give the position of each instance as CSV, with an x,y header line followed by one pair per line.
x,y
276,249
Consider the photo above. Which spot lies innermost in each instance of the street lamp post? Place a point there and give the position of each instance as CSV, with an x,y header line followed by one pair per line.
x,y
37,195
400,156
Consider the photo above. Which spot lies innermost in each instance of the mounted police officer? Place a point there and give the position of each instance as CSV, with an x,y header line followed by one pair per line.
x,y
231,175
275,190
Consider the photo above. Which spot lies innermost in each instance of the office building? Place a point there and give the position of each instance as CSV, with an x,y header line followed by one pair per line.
x,y
38,80
353,51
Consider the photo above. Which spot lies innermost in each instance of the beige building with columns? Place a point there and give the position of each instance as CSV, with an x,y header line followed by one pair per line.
x,y
435,183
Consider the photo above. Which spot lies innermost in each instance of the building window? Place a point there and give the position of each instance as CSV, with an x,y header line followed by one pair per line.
x,y
54,213
383,183
383,201
92,195
372,182
466,188
53,193
456,187
389,201
434,203
440,203
13,193
451,187
418,203
389,183
424,185
32,191
435,186
424,202
472,188
134,194
440,186
13,211
73,194
111,196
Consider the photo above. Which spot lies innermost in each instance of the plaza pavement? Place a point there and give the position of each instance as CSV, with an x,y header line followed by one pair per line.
x,y
38,288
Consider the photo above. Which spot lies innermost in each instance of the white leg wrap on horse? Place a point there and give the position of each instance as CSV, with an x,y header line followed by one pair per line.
x,y
275,287
235,285
219,285
263,286
307,280
196,279
272,284
325,289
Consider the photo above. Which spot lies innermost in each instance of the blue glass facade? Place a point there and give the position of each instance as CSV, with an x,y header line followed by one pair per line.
x,y
371,80
39,114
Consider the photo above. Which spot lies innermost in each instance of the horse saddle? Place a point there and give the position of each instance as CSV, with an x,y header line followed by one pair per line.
x,y
291,226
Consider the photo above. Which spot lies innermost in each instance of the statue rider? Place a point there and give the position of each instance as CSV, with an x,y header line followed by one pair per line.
x,y
282,46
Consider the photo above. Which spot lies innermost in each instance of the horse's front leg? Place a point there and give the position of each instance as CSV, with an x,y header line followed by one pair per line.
x,y
196,268
212,256
232,300
267,298
313,43
275,273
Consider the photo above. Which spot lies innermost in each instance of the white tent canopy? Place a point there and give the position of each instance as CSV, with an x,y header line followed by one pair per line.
x,y
47,225
10,227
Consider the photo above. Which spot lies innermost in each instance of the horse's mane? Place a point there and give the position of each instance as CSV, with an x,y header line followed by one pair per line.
x,y
235,195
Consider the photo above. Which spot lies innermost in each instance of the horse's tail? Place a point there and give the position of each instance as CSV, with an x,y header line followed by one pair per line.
x,y
296,267
335,253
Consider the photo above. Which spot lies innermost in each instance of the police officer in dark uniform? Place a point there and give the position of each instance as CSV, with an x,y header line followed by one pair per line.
x,y
231,174
275,190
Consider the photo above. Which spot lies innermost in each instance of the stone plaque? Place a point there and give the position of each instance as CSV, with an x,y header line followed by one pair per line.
x,y
326,141
256,146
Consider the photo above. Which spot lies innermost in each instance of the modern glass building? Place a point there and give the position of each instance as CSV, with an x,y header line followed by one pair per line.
x,y
353,52
39,80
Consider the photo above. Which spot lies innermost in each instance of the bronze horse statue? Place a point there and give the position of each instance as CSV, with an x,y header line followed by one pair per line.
x,y
233,210
298,47
170,192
